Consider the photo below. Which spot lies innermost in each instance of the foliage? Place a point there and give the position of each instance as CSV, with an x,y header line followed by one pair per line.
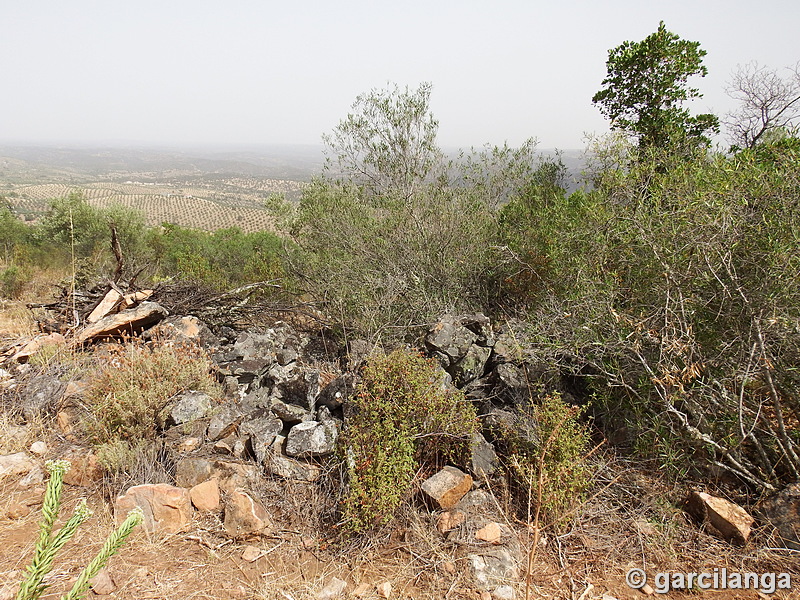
x,y
387,145
552,472
402,419
222,259
646,86
678,297
48,545
131,390
389,263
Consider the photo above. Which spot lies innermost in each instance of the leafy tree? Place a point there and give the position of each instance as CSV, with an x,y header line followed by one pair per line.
x,y
387,145
646,86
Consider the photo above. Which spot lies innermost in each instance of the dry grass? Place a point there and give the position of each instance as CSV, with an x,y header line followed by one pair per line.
x,y
16,320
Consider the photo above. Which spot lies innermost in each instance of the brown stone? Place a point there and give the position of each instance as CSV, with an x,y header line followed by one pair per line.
x,y
15,464
107,305
730,520
384,589
205,496
166,508
449,520
36,344
103,583
128,321
447,487
17,510
490,533
244,515
229,474
251,554
86,470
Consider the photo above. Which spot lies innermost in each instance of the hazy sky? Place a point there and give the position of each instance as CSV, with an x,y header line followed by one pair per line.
x,y
261,71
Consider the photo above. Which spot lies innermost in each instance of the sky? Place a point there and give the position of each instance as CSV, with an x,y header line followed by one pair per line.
x,y
249,72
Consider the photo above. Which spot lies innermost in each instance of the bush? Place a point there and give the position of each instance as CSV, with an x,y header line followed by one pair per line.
x,y
551,473
131,390
402,419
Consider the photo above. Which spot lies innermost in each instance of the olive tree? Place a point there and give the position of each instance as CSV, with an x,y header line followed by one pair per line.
x,y
646,87
387,144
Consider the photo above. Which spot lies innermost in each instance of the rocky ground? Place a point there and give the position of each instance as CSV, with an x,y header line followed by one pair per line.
x,y
240,498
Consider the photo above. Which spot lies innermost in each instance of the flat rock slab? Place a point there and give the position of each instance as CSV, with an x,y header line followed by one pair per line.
x,y
447,487
166,508
229,474
129,321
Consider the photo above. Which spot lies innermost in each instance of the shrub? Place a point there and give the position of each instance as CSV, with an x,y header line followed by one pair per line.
x,y
403,418
131,390
551,472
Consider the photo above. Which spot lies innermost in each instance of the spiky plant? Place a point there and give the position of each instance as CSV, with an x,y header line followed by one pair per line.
x,y
48,545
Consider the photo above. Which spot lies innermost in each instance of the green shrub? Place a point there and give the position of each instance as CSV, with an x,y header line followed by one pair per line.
x,y
551,472
402,419
131,390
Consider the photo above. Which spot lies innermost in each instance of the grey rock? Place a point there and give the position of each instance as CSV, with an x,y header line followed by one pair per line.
x,y
230,474
471,366
782,511
499,424
190,406
289,413
312,438
290,468
261,432
40,395
227,418
493,568
483,458
451,338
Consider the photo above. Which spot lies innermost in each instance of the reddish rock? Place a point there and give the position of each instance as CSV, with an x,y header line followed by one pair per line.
x,y
36,344
244,515
166,508
490,533
730,520
103,584
86,470
449,520
205,496
447,487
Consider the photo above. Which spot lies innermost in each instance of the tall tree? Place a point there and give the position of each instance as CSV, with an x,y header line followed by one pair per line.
x,y
387,144
646,86
768,103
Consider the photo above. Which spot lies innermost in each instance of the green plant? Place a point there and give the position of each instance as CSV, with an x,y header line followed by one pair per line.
x,y
131,390
403,418
48,545
551,471
646,85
